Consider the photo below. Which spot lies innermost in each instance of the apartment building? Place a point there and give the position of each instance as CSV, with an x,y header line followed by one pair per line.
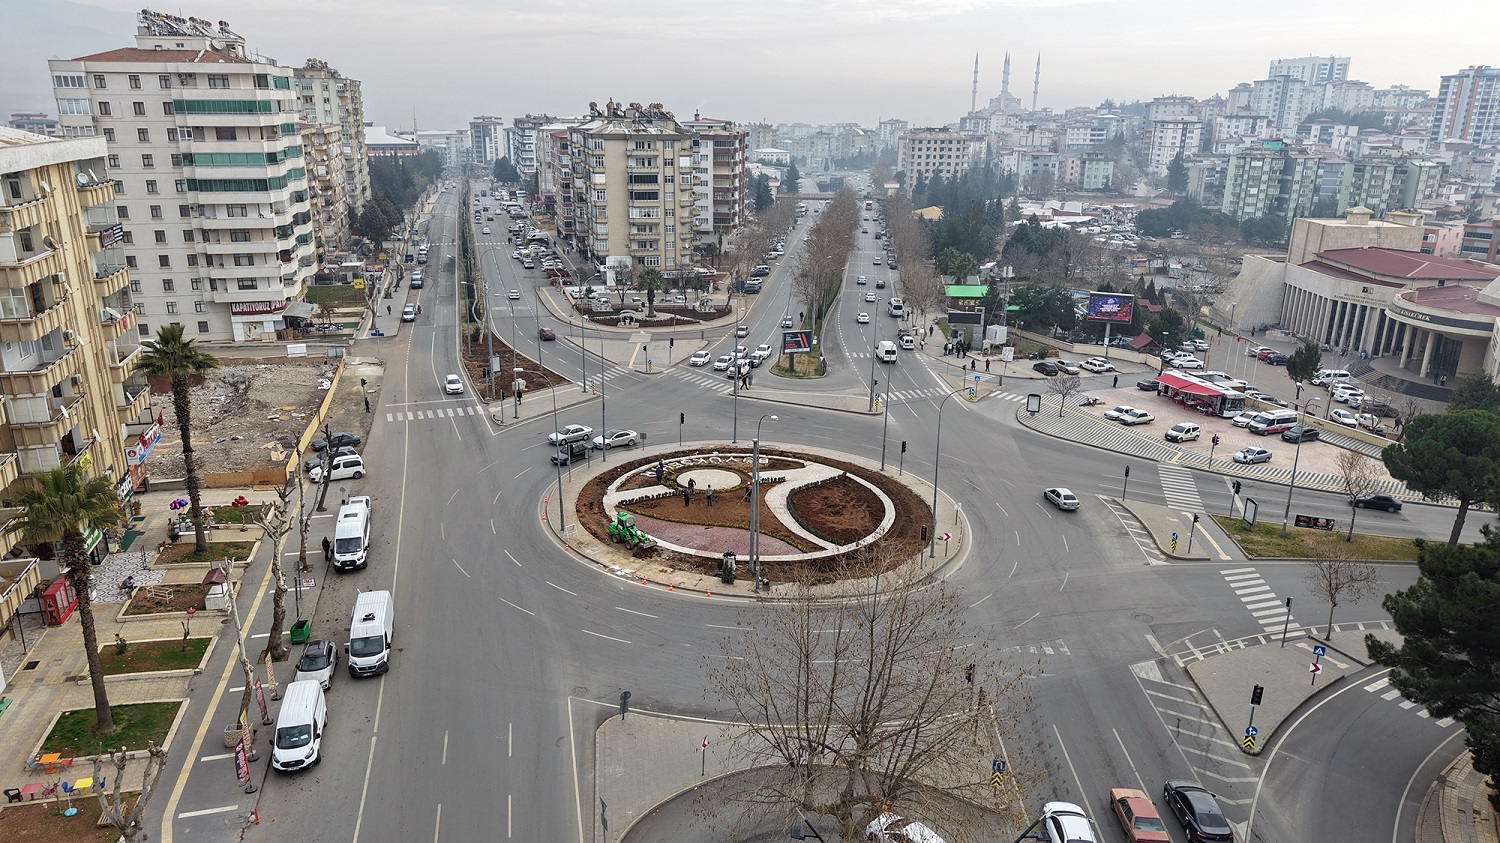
x,y
928,153
68,341
1312,69
1286,100
523,137
323,149
633,175
1271,179
560,196
721,192
327,96
1170,137
1481,241
1088,170
487,139
1388,180
36,122
209,171
1469,106
889,132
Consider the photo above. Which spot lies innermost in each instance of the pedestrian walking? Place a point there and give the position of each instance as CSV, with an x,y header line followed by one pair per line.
x,y
661,471
1117,380
367,403
972,363
387,310
327,550
709,495
1443,381
986,364
691,486
684,498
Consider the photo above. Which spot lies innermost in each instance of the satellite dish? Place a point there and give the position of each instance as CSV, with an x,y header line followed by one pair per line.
x,y
83,180
46,188
215,44
49,241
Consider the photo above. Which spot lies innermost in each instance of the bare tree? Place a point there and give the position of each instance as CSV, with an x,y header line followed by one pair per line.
x,y
1064,386
1338,577
276,521
1357,473
869,698
112,808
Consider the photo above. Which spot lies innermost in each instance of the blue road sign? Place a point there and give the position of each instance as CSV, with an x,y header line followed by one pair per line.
x,y
1319,650
997,766
1251,731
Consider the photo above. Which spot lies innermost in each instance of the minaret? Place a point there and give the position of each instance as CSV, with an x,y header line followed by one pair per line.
x,y
974,92
1036,87
1005,75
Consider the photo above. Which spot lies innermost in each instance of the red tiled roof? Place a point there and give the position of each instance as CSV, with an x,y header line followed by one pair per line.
x,y
1457,298
137,54
1346,275
1412,265
1142,342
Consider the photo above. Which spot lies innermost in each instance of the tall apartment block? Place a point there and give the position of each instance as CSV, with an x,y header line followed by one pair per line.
x,y
327,96
68,344
1169,137
1390,180
1271,179
323,149
523,137
720,185
927,153
1469,106
633,171
36,122
210,179
1314,70
487,139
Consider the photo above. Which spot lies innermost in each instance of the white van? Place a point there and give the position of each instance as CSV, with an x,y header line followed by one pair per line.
x,y
886,351
369,646
1329,377
897,307
346,466
298,742
351,534
1276,421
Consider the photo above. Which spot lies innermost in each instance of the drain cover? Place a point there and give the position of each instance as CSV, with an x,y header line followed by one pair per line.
x,y
31,665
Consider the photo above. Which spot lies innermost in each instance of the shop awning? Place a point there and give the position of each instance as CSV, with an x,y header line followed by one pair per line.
x,y
1182,384
300,309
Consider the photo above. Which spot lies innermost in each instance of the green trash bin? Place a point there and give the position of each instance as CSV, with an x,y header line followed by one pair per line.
x,y
300,629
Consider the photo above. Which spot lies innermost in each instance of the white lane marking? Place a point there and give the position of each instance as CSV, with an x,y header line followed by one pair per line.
x,y
461,569
220,757
560,588
445,747
1028,620
513,559
634,612
982,599
1064,585
206,811
734,628
514,606
518,476
602,635
1074,770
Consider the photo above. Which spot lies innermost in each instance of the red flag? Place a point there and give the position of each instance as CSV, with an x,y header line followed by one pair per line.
x,y
161,419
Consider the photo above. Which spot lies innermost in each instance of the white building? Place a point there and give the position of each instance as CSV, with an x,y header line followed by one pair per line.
x,y
1313,70
1169,138
890,131
487,139
1469,106
927,153
328,96
210,179
720,188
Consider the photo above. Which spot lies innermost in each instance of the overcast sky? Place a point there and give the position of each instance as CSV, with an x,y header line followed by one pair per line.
x,y
811,61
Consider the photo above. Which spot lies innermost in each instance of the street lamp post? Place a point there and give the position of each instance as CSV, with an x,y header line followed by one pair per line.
x,y
874,355
489,331
1296,456
755,502
734,368
937,454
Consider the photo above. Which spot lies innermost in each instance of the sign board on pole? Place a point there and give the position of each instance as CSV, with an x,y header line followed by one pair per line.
x,y
1314,668
1251,507
1251,731
260,700
1319,650
796,342
973,317
997,766
1008,353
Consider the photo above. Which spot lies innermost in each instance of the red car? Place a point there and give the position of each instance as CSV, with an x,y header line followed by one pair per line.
x,y
1138,816
1265,353
546,334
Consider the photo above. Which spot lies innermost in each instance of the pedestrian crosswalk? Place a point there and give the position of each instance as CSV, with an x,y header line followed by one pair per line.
x,y
1057,647
1179,488
1270,611
434,413
1383,687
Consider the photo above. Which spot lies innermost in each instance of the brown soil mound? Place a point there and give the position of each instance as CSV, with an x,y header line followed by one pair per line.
x,y
842,511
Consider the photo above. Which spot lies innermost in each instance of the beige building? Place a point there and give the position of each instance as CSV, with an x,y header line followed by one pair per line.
x,y
210,177
328,96
927,153
633,178
323,149
69,347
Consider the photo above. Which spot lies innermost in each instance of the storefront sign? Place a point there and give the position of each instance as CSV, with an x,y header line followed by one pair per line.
x,y
255,308
137,451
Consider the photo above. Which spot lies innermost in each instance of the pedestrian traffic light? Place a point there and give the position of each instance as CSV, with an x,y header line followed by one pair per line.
x,y
682,418
671,342
1255,695
1195,518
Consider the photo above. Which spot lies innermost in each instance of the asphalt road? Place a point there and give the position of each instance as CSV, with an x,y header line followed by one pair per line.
x,y
510,652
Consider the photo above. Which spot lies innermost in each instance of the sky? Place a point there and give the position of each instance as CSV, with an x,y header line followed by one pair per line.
x,y
441,62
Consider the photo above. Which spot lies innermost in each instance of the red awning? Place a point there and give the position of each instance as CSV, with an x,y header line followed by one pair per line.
x,y
1182,384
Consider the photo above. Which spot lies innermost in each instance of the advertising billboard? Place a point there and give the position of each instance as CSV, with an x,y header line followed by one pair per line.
x,y
1110,307
796,342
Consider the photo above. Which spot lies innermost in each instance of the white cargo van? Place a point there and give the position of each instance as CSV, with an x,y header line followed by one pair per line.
x,y
886,351
369,644
897,306
1278,421
1328,377
351,534
298,742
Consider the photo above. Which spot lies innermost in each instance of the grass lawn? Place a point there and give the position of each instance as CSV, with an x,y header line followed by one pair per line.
x,y
1265,539
338,294
183,551
235,515
146,656
135,725
803,366
43,822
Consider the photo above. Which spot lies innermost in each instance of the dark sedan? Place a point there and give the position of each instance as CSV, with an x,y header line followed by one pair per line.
x,y
1198,811
1148,385
1046,367
1277,359
546,334
339,440
1370,500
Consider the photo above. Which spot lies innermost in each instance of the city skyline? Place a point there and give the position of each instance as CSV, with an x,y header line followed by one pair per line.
x,y
787,64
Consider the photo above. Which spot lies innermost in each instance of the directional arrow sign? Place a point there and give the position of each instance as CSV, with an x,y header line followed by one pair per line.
x,y
997,766
1314,668
1248,742
995,779
1251,731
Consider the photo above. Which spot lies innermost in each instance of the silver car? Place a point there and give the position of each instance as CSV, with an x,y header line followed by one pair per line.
x,y
1061,498
319,659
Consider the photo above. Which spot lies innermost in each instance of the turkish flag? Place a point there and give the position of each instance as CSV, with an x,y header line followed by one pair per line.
x,y
161,419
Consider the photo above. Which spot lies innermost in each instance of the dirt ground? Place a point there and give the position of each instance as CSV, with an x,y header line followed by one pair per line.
x,y
536,377
843,511
43,822
181,597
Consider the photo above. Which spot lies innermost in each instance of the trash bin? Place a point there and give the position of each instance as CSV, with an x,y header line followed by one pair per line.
x,y
300,629
726,568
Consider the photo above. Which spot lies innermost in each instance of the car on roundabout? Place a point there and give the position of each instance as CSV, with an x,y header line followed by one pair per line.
x,y
570,433
616,439
1062,498
546,334
863,318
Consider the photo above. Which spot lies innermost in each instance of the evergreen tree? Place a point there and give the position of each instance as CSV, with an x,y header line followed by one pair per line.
x,y
792,182
1177,176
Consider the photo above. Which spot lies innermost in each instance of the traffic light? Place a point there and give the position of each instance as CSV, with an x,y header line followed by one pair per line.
x,y
1236,487
682,418
1216,440
1127,471
672,342
924,534
1255,695
1195,518
903,446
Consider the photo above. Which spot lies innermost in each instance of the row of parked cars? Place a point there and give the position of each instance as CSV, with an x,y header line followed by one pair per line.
x,y
1059,366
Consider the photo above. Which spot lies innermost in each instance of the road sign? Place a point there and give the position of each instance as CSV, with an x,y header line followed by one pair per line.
x,y
1251,731
947,537
305,583
1314,668
1248,742
995,779
1319,650
997,766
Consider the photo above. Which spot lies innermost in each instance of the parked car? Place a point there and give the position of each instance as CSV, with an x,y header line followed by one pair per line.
x,y
1148,385
1097,365
1046,367
1345,392
1065,822
337,440
1370,422
319,659
453,385
1135,417
316,460
889,828
1198,811
1256,350
1183,432
1343,417
1187,363
616,439
350,466
1118,412
1251,456
700,358
1300,433
1372,500
1066,367
1061,498
570,433
1277,359
1243,419
1265,351
1137,816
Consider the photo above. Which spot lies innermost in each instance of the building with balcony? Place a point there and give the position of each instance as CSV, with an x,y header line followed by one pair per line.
x,y
927,153
633,169
487,139
1169,137
1271,179
36,122
1481,241
1313,70
721,192
329,97
523,136
69,389
323,146
209,173
1469,106
1389,180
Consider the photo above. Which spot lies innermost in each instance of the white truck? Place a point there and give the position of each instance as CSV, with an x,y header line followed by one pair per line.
x,y
886,351
351,534
370,628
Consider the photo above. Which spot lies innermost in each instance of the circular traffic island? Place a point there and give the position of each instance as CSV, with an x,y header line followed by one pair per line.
x,y
686,509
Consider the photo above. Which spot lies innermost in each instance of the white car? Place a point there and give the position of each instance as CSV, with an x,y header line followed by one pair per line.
x,y
861,280
514,295
616,439
1255,350
454,385
570,433
1344,392
1344,417
786,321
761,352
722,363
486,229
1097,365
1062,498
1188,362
1201,345
1119,412
869,296
863,318
1243,419
700,358
1065,822
1135,417
889,828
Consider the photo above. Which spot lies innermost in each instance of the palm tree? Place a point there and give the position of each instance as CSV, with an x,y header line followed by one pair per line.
x,y
650,281
171,356
59,506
